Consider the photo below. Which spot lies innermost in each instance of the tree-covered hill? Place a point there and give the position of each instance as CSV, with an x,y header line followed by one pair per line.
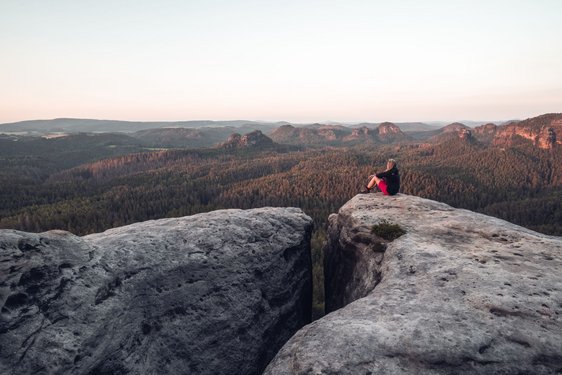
x,y
87,184
92,197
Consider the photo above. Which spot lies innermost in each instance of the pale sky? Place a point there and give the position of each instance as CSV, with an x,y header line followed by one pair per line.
x,y
301,61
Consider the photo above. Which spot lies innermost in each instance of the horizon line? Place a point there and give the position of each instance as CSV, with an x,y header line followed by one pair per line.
x,y
352,122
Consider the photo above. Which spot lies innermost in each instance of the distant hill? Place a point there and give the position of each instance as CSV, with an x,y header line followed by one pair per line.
x,y
72,125
104,143
314,134
543,131
450,132
454,127
433,135
335,135
469,123
187,137
404,126
485,133
414,126
255,140
317,125
473,124
26,160
386,132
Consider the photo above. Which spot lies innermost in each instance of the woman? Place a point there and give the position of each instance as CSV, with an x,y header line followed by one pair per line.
x,y
387,181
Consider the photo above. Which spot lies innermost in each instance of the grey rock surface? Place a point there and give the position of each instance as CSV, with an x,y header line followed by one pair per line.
x,y
215,293
459,293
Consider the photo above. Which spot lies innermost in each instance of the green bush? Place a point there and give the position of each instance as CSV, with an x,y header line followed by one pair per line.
x,y
387,230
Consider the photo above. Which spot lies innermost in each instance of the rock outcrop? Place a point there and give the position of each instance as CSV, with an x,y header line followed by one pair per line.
x,y
465,134
362,133
542,131
459,293
255,139
450,133
389,133
485,133
215,293
455,127
386,132
316,134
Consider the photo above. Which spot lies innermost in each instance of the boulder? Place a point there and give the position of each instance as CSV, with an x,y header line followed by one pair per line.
x,y
215,293
458,293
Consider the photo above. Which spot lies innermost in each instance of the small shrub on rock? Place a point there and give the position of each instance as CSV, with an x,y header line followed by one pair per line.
x,y
387,230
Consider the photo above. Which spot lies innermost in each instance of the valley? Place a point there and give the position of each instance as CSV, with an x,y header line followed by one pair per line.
x,y
86,183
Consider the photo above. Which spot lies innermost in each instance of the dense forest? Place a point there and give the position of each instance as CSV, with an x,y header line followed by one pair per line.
x,y
67,188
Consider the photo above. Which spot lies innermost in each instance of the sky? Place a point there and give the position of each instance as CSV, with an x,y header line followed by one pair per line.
x,y
299,61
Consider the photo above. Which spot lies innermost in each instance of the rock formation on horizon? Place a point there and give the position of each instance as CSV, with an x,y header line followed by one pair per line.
x,y
485,133
315,134
458,293
215,293
255,139
543,131
386,132
389,133
362,133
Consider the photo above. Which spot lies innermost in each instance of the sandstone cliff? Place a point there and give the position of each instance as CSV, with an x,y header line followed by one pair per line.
x,y
543,131
215,293
255,139
459,293
386,132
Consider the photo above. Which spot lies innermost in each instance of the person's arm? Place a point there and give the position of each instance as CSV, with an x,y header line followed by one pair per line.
x,y
384,174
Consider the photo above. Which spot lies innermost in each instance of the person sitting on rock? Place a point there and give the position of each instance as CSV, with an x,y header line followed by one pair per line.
x,y
388,181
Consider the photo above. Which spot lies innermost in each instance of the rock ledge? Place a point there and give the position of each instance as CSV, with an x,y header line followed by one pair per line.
x,y
459,293
215,293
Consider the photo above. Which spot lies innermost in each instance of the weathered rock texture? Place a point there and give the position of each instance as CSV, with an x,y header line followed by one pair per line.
x,y
255,139
215,293
543,131
459,293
